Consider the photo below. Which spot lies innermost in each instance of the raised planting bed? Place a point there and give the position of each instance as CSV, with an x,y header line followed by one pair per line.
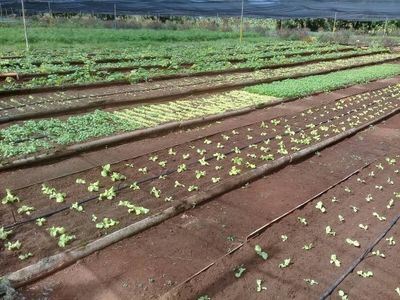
x,y
52,135
34,106
349,232
90,74
68,212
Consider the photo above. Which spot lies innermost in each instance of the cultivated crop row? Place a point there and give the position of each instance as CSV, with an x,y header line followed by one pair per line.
x,y
19,105
135,72
305,253
70,211
48,135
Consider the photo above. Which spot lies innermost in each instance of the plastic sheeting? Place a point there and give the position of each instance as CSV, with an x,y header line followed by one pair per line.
x,y
345,9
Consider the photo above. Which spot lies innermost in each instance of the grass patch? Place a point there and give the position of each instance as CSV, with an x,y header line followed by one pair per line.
x,y
324,83
12,37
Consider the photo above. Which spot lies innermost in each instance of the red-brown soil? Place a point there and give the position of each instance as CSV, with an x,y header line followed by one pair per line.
x,y
250,139
148,264
219,281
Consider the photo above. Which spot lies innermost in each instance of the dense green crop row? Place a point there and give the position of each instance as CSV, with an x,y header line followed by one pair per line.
x,y
89,74
33,136
323,83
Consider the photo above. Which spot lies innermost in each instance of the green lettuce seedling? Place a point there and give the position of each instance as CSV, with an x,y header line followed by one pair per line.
x,y
105,170
343,295
302,221
286,262
106,223
239,271
321,207
334,260
310,281
260,252
13,246
24,209
64,239
259,286
329,231
9,198
40,222
77,207
353,242
25,256
366,274
4,233
94,187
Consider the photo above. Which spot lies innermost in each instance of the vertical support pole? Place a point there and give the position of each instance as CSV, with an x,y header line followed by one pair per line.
x,y
385,29
241,23
334,24
48,4
115,15
24,21
1,12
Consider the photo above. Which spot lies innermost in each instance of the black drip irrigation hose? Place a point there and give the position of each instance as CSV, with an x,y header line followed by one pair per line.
x,y
123,186
330,289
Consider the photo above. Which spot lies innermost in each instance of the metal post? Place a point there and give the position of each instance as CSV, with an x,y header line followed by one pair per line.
x,y
334,24
48,3
23,19
115,15
385,29
241,23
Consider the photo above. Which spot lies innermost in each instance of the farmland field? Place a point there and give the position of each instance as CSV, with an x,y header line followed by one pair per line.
x,y
188,165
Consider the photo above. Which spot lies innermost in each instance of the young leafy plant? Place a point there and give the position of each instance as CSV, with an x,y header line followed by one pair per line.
x,y
76,206
334,260
353,242
115,176
25,256
329,231
260,252
94,187
138,210
310,281
64,239
391,241
55,231
343,295
9,198
239,271
259,286
106,223
4,233
105,170
286,262
366,274
308,247
302,221
155,192
40,222
380,218
24,209
321,207
108,194
13,246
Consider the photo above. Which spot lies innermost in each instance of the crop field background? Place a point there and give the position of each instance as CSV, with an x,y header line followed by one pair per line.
x,y
187,163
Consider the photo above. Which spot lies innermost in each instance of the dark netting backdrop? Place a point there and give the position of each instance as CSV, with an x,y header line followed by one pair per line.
x,y
346,9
